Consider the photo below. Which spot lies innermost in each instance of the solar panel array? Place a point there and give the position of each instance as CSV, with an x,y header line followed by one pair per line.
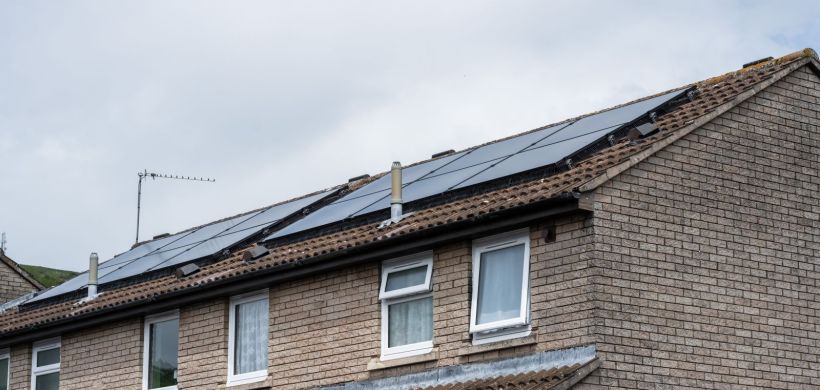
x,y
540,148
186,246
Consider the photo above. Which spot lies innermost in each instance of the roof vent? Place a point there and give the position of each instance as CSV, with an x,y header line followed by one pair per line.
x,y
691,94
186,270
93,264
760,61
163,235
444,153
642,131
357,178
255,252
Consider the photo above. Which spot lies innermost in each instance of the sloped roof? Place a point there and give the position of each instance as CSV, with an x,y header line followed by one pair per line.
x,y
716,95
552,379
16,267
553,369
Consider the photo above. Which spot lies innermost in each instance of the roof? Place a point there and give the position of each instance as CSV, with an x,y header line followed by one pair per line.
x,y
553,369
16,267
715,96
554,378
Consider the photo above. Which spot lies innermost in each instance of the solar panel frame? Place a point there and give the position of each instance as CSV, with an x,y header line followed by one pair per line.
x,y
499,159
186,246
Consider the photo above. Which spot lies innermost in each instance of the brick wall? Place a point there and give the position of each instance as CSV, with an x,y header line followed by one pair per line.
x,y
203,345
20,367
12,284
708,253
326,328
103,357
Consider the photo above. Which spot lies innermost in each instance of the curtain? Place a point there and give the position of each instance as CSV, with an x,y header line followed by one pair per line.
x,y
251,345
499,284
410,322
406,278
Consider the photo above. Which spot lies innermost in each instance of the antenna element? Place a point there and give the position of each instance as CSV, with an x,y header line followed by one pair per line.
x,y
145,175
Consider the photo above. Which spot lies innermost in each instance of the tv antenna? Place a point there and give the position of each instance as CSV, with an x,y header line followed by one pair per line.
x,y
144,175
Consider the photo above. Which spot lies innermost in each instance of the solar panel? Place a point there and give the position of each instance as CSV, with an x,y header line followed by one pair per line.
x,y
186,246
517,154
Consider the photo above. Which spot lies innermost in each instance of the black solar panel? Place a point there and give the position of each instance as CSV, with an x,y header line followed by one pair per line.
x,y
531,150
186,246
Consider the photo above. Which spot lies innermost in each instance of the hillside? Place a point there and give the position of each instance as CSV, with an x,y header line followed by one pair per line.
x,y
48,277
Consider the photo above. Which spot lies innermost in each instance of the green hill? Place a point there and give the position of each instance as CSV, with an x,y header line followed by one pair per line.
x,y
48,277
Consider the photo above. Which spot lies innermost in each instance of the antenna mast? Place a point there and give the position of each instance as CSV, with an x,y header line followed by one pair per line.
x,y
145,175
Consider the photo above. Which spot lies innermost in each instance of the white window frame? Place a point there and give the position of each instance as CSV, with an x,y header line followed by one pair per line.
x,y
43,345
146,353
501,241
254,376
401,264
406,294
5,354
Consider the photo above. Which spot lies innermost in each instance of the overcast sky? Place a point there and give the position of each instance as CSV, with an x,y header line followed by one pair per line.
x,y
275,99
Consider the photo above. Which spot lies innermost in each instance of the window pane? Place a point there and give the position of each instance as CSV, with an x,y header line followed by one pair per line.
x,y
406,278
48,356
410,322
4,374
162,356
251,339
499,284
47,382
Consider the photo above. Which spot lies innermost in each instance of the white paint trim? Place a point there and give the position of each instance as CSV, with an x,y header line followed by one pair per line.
x,y
481,338
390,353
412,293
403,263
248,377
501,241
146,345
43,345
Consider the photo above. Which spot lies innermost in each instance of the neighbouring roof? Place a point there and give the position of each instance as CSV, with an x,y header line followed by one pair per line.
x,y
16,268
556,369
533,380
715,95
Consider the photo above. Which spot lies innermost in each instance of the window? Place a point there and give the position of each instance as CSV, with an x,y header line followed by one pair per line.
x,y
248,338
407,306
160,352
4,369
45,365
500,301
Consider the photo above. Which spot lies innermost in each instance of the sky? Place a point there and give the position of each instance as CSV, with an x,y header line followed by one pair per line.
x,y
275,99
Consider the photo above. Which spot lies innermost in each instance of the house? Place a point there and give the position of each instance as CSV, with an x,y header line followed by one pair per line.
x,y
15,282
670,242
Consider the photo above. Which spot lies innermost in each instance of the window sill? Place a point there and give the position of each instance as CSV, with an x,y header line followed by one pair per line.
x,y
498,345
377,364
250,384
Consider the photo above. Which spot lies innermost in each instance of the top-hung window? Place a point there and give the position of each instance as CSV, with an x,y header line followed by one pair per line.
x,y
500,301
407,306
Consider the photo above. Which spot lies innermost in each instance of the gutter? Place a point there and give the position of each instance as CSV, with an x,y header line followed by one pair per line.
x,y
422,240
